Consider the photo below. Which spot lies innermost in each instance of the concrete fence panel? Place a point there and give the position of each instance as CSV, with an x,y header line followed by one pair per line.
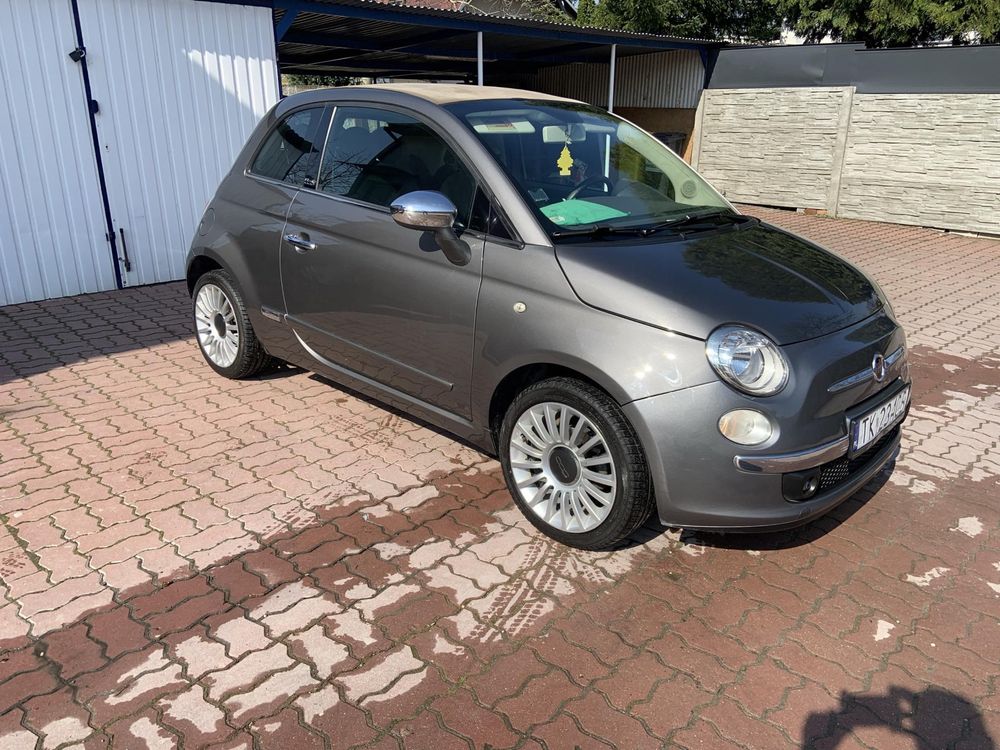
x,y
775,146
928,159
910,158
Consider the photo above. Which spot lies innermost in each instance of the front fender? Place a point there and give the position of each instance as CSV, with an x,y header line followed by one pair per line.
x,y
629,360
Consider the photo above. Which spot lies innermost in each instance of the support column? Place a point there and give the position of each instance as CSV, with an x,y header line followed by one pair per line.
x,y
611,79
479,58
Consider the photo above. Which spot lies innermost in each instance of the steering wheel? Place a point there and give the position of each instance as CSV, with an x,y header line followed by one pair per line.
x,y
589,183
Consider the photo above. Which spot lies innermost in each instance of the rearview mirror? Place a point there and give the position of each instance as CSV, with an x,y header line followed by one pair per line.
x,y
429,210
424,209
574,132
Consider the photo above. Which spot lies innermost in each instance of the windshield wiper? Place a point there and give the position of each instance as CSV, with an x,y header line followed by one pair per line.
x,y
597,230
695,219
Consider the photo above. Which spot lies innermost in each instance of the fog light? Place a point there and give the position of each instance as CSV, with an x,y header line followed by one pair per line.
x,y
745,426
800,485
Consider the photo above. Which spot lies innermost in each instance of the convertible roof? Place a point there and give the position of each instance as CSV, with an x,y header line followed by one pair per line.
x,y
448,93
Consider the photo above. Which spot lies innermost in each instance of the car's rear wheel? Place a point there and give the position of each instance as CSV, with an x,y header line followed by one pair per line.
x,y
225,336
574,464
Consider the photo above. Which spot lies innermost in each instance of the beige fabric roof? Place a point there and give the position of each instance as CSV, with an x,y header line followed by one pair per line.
x,y
446,93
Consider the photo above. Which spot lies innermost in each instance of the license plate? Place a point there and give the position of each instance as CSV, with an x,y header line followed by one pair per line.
x,y
869,427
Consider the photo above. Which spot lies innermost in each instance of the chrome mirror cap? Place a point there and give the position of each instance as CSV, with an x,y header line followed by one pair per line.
x,y
424,209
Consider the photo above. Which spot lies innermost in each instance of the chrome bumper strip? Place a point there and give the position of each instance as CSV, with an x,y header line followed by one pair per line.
x,y
860,377
782,463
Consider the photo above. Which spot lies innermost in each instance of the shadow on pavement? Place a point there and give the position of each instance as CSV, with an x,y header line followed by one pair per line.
x,y
932,719
797,537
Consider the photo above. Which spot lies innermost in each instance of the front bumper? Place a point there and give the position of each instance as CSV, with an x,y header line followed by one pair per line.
x,y
703,481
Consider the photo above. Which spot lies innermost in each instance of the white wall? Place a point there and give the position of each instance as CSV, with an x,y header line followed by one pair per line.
x,y
52,223
180,84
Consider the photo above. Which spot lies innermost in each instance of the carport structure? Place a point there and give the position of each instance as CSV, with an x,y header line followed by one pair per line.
x,y
382,40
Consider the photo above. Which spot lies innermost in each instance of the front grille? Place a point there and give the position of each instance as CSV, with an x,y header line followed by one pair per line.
x,y
835,473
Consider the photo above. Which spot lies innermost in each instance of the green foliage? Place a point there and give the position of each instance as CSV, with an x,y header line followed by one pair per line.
x,y
301,79
877,23
894,23
736,20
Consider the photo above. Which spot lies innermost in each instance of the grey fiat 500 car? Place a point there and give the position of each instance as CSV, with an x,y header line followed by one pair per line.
x,y
550,283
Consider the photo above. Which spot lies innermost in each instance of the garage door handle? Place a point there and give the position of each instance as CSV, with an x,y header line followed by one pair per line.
x,y
301,244
125,260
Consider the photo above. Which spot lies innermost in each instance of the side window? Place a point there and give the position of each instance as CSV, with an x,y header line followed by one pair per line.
x,y
486,219
291,151
374,155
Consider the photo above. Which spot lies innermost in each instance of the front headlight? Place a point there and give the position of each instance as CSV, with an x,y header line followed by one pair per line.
x,y
747,359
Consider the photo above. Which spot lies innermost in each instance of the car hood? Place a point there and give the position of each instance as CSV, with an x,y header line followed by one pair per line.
x,y
759,276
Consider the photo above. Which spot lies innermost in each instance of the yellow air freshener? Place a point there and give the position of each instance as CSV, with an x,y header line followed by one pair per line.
x,y
565,161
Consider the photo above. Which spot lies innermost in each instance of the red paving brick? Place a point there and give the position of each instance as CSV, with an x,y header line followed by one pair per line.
x,y
188,561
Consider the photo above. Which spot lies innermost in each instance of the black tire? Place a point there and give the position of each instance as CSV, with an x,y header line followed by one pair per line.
x,y
633,501
251,359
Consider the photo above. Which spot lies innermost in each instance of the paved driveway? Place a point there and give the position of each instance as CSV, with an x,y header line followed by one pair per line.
x,y
279,563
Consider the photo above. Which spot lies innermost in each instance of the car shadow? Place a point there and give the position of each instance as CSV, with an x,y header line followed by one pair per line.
x,y
932,718
39,337
388,408
769,540
652,529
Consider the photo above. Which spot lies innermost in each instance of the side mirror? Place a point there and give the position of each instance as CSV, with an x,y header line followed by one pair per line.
x,y
429,210
424,209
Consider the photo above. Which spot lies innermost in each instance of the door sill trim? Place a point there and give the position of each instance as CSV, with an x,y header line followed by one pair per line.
x,y
397,394
271,314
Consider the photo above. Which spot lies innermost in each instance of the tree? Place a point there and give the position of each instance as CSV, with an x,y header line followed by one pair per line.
x,y
736,20
894,23
317,79
732,20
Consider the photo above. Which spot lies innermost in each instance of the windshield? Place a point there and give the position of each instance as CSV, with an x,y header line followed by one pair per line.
x,y
583,168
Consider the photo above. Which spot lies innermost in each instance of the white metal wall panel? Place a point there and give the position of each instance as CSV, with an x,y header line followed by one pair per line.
x,y
662,80
52,229
181,85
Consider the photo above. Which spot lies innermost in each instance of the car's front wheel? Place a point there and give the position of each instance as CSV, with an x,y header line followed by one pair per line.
x,y
574,464
225,336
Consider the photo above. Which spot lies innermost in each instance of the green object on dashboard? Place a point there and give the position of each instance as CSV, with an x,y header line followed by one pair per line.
x,y
570,212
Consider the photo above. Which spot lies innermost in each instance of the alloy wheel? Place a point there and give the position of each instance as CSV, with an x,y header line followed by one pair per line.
x,y
563,467
215,322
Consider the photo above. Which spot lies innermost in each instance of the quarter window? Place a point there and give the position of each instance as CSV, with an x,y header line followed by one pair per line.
x,y
291,152
374,155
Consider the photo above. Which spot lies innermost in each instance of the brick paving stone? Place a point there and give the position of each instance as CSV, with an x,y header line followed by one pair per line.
x,y
598,718
281,563
538,700
563,734
671,705
460,712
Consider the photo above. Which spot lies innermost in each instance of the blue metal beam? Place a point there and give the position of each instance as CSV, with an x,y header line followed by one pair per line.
x,y
364,46
287,19
479,23
457,67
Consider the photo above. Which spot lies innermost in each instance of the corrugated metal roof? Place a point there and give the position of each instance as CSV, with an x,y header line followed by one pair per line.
x,y
385,38
468,12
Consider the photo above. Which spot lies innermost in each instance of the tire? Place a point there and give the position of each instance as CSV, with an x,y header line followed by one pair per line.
x,y
545,436
223,331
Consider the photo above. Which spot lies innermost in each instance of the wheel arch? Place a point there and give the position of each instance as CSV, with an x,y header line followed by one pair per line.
x,y
524,375
198,266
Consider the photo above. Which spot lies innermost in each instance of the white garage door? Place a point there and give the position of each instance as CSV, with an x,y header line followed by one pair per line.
x,y
179,85
52,223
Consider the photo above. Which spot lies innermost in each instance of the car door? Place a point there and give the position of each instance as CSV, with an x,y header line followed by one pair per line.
x,y
362,292
254,205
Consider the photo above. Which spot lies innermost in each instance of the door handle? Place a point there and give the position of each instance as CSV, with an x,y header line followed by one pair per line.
x,y
301,244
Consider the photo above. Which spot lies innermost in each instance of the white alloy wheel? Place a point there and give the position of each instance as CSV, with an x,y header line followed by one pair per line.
x,y
562,467
215,321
